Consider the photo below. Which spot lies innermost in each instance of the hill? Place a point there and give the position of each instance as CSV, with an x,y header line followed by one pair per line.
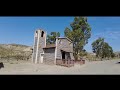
x,y
16,51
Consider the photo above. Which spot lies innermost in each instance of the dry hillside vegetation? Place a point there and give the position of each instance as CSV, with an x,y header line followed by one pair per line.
x,y
15,51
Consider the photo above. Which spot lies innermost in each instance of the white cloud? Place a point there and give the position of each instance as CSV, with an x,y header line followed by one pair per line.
x,y
109,34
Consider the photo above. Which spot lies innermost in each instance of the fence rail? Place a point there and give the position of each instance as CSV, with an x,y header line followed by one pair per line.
x,y
65,62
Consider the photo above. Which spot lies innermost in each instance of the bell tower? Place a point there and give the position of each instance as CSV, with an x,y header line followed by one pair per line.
x,y
39,43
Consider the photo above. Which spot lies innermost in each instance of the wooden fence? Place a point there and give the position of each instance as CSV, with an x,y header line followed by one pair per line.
x,y
64,62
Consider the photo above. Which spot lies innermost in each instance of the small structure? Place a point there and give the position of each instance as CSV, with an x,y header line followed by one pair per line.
x,y
60,53
1,65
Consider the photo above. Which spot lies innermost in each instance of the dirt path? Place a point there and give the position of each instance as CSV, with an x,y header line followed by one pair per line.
x,y
97,67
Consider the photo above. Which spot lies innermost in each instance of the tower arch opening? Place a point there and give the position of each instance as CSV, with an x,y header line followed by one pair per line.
x,y
42,33
36,33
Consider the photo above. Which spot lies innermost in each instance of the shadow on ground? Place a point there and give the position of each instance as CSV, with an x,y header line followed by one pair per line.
x,y
118,63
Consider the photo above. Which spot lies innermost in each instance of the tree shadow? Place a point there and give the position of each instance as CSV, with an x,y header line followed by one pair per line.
x,y
118,63
1,65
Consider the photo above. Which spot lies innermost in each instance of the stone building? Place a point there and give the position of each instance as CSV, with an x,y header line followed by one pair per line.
x,y
49,53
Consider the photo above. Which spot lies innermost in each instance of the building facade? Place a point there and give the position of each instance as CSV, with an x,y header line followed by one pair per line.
x,y
49,53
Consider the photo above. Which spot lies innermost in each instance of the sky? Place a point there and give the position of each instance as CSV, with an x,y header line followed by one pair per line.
x,y
20,30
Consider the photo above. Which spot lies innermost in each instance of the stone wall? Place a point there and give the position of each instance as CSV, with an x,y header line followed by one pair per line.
x,y
40,42
49,56
63,43
34,49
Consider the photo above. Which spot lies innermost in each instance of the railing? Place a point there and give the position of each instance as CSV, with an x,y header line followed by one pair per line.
x,y
81,62
65,62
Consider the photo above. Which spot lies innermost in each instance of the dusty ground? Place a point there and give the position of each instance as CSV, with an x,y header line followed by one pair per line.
x,y
26,67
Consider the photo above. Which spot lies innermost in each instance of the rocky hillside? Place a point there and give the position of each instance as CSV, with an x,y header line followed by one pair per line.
x,y
16,51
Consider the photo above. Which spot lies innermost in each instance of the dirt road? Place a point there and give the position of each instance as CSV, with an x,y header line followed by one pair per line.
x,y
96,67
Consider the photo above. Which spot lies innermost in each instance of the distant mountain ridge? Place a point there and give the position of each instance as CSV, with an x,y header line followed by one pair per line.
x,y
13,44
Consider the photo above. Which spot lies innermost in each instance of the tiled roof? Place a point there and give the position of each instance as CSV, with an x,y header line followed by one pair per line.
x,y
50,46
64,38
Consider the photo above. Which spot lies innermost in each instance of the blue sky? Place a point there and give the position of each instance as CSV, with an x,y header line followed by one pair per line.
x,y
20,30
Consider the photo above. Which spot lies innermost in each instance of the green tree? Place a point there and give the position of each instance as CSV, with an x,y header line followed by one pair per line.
x,y
52,37
102,49
79,33
83,53
108,51
97,47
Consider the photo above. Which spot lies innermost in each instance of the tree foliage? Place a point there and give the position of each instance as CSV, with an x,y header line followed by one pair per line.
x,y
102,49
52,37
83,53
79,33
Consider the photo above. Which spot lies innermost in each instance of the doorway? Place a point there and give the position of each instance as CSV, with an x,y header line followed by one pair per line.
x,y
63,55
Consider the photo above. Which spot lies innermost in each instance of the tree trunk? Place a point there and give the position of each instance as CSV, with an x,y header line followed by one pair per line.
x,y
76,57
